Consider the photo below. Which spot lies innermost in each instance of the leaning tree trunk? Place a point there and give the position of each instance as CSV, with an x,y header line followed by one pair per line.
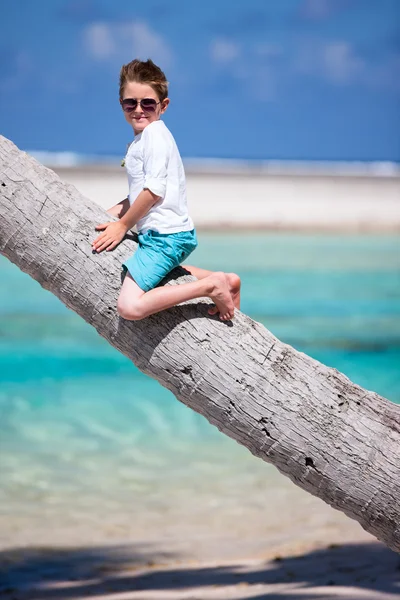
x,y
328,435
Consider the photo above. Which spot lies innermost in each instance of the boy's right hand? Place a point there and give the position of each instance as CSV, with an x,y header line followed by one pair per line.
x,y
113,233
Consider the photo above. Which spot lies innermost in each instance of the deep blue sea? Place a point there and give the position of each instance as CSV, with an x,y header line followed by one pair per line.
x,y
83,432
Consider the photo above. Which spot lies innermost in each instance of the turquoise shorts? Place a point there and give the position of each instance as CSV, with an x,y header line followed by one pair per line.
x,y
157,254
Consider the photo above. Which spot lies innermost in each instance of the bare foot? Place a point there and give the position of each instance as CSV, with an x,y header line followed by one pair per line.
x,y
221,295
234,288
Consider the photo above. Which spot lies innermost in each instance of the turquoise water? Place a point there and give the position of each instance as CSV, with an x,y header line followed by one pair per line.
x,y
83,431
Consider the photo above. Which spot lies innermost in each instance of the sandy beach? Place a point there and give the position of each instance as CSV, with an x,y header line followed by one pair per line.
x,y
254,199
365,571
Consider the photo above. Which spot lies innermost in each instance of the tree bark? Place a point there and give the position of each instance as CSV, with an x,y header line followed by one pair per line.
x,y
329,436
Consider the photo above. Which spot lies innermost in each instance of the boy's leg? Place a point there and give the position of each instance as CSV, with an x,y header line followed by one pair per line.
x,y
197,271
234,284
135,304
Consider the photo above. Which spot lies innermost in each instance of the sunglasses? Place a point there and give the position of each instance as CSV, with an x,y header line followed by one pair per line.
x,y
147,104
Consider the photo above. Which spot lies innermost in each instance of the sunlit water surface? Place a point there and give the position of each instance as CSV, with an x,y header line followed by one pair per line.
x,y
91,445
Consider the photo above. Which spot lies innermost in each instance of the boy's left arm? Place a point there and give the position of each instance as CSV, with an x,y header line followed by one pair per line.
x,y
115,231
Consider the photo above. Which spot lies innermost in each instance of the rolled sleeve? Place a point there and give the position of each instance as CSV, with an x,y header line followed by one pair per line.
x,y
155,162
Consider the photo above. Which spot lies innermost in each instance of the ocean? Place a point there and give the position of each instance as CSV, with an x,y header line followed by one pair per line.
x,y
91,449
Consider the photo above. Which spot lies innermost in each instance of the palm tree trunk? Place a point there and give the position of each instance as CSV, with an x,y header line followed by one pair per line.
x,y
329,436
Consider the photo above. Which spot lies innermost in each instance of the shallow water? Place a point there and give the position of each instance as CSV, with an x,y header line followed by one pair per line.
x,y
89,443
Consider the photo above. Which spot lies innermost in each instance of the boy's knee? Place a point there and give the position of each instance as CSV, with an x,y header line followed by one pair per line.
x,y
235,279
131,311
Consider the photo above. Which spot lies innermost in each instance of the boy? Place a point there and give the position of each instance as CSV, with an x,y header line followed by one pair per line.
x,y
157,205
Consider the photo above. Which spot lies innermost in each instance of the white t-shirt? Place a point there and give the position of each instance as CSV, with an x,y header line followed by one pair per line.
x,y
153,162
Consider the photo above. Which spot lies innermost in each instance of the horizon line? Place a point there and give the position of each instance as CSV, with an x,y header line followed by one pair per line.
x,y
379,168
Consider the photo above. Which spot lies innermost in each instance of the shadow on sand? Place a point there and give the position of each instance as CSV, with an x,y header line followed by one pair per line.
x,y
67,574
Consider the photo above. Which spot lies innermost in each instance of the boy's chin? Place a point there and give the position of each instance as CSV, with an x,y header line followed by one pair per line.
x,y
140,125
138,128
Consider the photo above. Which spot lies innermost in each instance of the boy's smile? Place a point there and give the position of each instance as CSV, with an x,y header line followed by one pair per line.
x,y
141,115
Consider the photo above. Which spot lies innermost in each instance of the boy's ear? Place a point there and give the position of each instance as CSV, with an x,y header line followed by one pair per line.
x,y
164,105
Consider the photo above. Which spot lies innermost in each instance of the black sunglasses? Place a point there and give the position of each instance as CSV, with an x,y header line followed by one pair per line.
x,y
147,104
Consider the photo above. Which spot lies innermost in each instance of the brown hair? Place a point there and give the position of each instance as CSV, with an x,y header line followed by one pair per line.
x,y
144,72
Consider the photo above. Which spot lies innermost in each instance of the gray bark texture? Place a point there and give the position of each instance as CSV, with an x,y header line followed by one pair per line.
x,y
329,436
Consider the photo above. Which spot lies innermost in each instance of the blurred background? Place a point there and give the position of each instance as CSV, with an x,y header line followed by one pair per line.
x,y
295,79
287,117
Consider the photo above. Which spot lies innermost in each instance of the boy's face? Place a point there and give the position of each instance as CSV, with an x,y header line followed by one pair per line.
x,y
139,117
